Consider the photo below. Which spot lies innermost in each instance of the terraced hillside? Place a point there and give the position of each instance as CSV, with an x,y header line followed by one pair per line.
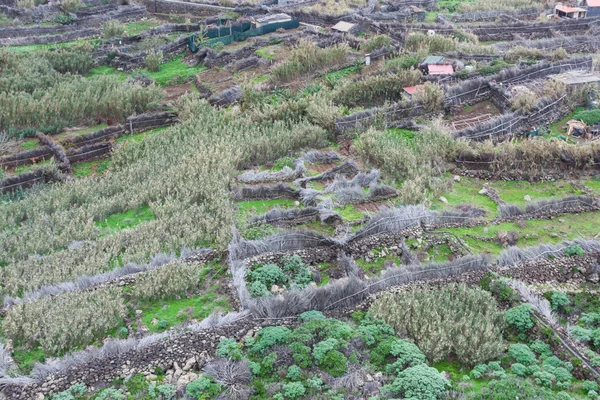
x,y
299,200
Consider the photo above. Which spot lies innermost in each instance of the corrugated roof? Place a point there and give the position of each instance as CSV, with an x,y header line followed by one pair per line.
x,y
433,60
593,3
343,26
440,69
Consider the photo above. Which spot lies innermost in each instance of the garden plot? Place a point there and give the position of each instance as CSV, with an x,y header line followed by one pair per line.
x,y
474,115
521,192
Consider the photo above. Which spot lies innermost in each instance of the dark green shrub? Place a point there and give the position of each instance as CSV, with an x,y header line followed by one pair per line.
x,y
270,336
503,292
63,19
258,289
202,386
589,385
408,355
543,378
333,362
229,348
163,324
519,369
541,349
589,117
293,372
512,388
269,275
522,354
293,390
372,330
418,382
310,315
302,354
519,318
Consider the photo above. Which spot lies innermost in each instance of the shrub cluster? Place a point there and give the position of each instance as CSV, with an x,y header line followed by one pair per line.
x,y
413,163
182,174
454,320
168,281
376,89
65,321
292,274
345,351
307,57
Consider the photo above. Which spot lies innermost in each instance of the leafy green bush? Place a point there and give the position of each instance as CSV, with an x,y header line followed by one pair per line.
x,y
62,19
444,321
372,330
229,348
418,382
519,369
111,394
404,61
519,318
258,289
503,292
512,388
293,390
307,57
589,117
575,249
408,355
522,354
543,378
376,42
203,386
113,28
70,6
269,274
589,385
270,336
294,372
310,315
153,60
541,349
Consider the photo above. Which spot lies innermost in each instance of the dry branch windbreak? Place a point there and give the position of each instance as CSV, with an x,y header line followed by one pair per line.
x,y
468,90
181,174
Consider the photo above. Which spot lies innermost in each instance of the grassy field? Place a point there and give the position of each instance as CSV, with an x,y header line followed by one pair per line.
x,y
128,219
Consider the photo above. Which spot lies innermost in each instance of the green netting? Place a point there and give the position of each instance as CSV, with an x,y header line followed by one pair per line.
x,y
238,33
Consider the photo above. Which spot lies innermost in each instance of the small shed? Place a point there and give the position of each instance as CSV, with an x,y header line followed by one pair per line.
x,y
345,27
270,19
440,69
570,12
593,7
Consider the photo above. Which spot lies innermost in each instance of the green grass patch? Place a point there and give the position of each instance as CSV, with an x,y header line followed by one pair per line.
x,y
532,232
21,169
404,134
514,192
106,70
174,71
26,359
268,52
87,129
262,206
593,183
175,312
466,192
349,212
440,253
125,220
335,76
30,144
137,27
94,167
138,137
559,127
374,268
320,227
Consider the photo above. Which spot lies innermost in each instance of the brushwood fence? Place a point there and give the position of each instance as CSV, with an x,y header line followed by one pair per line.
x,y
466,92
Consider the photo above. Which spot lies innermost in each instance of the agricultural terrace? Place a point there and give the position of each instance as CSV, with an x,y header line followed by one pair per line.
x,y
299,200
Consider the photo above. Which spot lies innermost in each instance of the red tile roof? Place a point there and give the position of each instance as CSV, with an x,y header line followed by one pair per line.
x,y
440,69
593,3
